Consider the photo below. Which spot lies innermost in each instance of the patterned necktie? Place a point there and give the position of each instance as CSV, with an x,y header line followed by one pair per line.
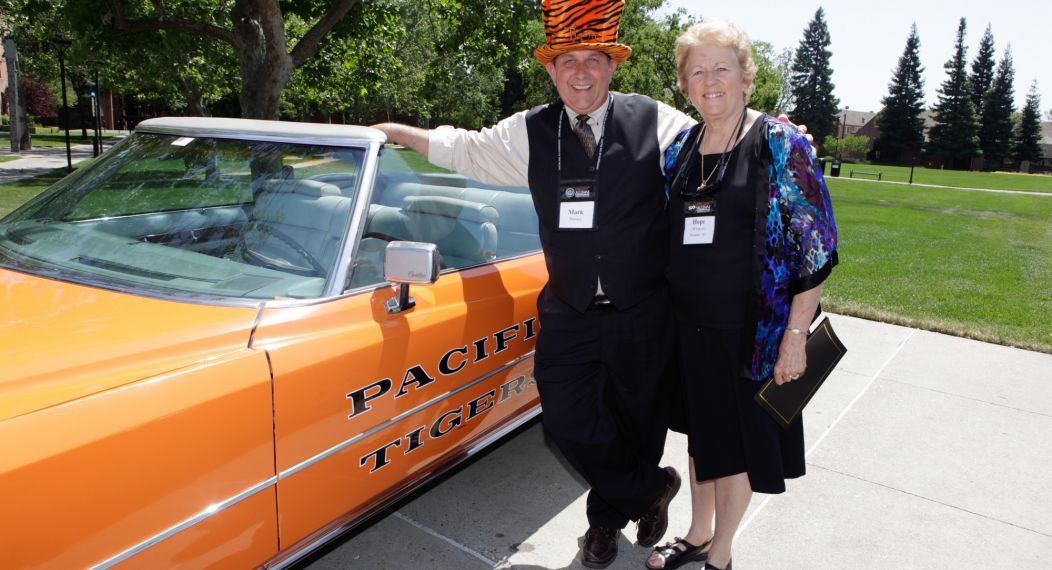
x,y
585,135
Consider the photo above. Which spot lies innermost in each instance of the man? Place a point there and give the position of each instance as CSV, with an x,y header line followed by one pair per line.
x,y
593,165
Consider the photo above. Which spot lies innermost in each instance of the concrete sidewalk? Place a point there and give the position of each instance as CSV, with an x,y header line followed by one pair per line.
x,y
39,161
924,451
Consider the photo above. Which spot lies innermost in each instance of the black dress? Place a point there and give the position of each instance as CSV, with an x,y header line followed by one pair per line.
x,y
713,295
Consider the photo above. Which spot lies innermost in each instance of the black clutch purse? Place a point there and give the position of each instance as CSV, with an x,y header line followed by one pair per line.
x,y
785,402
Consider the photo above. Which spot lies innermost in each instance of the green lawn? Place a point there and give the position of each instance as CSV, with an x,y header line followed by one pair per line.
x,y
9,157
15,194
414,161
956,178
58,139
974,264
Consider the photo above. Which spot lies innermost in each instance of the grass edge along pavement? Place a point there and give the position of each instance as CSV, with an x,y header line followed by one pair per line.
x,y
971,264
1041,183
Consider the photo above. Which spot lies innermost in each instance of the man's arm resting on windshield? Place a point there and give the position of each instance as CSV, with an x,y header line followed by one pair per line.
x,y
405,135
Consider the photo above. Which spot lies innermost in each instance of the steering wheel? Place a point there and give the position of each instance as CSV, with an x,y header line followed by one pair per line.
x,y
316,268
380,235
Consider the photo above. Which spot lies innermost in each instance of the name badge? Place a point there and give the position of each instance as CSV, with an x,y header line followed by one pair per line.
x,y
577,200
699,222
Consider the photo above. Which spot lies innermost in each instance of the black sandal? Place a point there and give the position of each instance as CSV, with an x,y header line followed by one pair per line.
x,y
676,556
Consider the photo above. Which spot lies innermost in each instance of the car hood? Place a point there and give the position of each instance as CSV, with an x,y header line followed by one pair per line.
x,y
61,341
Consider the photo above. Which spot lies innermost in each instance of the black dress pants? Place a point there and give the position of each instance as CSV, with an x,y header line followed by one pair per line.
x,y
600,374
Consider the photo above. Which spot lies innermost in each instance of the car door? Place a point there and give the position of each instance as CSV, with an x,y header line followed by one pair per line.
x,y
369,403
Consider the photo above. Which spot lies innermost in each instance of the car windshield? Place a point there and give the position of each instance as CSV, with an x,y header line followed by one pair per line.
x,y
193,216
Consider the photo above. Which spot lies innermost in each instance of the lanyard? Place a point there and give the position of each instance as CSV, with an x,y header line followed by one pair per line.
x,y
599,149
719,170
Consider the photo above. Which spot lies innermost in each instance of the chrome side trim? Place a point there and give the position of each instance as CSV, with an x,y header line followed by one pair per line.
x,y
292,556
380,427
199,517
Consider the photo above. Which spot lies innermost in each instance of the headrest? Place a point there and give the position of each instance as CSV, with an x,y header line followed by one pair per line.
x,y
341,179
312,188
451,208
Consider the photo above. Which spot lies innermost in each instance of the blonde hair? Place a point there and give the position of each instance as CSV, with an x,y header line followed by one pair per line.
x,y
719,33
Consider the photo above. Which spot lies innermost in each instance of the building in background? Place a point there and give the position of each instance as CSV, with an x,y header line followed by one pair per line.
x,y
850,122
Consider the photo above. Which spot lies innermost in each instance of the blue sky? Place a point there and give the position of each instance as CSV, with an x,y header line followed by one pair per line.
x,y
868,38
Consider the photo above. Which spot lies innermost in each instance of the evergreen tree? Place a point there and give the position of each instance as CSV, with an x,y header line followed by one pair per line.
x,y
900,124
1028,135
995,130
812,79
954,135
982,76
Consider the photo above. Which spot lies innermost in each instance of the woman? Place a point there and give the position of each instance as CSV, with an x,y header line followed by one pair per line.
x,y
753,238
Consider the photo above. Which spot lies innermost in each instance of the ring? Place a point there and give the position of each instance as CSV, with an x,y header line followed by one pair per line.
x,y
794,376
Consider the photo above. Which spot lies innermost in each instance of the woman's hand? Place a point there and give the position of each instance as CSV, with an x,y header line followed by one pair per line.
x,y
792,358
792,355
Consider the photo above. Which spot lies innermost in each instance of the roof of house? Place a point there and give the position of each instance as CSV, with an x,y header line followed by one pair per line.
x,y
855,118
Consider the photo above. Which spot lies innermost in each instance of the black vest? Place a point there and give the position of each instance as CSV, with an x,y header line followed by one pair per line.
x,y
629,249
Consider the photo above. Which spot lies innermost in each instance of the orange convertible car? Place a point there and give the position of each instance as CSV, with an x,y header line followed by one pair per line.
x,y
225,342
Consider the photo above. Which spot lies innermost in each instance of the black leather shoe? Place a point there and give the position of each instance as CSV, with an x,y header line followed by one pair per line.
x,y
600,547
652,525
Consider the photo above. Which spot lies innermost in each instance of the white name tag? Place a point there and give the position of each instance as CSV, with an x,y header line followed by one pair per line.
x,y
699,230
577,215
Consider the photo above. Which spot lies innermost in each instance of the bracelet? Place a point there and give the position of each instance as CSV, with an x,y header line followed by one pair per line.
x,y
796,331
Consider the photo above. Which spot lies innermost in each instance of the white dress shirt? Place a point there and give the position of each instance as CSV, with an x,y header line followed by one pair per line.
x,y
501,154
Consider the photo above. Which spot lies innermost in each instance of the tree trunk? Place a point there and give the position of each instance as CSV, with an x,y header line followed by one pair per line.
x,y
195,100
265,64
79,86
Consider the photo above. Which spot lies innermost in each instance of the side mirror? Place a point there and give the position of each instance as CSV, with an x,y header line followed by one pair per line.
x,y
409,262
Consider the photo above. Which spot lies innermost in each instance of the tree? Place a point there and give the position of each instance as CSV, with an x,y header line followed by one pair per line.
x,y
179,70
256,32
38,99
954,135
652,68
771,91
982,76
444,61
995,130
812,79
1028,134
900,124
850,146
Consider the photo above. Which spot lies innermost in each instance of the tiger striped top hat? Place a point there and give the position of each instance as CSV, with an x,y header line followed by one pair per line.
x,y
581,24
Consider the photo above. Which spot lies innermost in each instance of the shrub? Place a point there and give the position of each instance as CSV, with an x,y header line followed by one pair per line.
x,y
39,99
850,147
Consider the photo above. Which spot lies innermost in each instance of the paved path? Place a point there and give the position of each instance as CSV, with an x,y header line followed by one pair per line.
x,y
924,451
38,161
1030,192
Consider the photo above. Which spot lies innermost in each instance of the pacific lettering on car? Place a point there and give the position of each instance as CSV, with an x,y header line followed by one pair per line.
x,y
417,377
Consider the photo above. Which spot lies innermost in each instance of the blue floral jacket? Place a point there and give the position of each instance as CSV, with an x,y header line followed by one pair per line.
x,y
796,249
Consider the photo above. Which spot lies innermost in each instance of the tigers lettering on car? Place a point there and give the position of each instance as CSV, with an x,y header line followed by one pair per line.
x,y
418,377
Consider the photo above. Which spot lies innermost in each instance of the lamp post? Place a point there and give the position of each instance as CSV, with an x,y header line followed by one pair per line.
x,y
61,44
96,110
